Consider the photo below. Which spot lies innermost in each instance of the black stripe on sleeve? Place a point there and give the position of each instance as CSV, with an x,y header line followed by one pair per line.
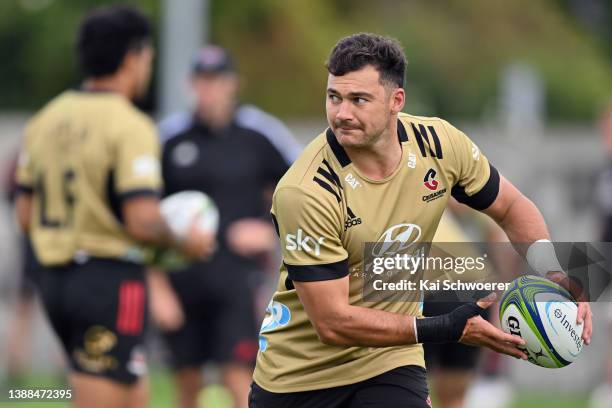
x,y
483,198
401,132
327,187
436,141
425,136
332,173
419,139
328,176
313,273
138,193
23,189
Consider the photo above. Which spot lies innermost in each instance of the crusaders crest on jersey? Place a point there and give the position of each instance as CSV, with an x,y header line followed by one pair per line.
x,y
430,181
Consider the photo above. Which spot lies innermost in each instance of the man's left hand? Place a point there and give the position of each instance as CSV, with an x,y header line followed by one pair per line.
x,y
584,315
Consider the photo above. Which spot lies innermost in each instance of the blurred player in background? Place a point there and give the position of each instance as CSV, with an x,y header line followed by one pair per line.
x,y
602,395
236,154
89,184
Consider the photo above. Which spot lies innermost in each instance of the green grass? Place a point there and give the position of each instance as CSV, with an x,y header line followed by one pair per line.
x,y
162,395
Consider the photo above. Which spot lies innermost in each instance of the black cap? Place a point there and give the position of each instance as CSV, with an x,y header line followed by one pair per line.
x,y
212,59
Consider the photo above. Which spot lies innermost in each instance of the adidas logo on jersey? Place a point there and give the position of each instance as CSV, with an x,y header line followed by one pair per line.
x,y
351,219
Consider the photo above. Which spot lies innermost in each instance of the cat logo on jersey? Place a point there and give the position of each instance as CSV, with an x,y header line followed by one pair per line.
x,y
430,181
411,160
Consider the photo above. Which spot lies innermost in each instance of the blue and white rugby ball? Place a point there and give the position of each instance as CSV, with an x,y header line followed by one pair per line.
x,y
544,315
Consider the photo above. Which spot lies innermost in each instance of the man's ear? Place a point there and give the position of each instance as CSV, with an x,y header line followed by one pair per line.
x,y
129,61
398,99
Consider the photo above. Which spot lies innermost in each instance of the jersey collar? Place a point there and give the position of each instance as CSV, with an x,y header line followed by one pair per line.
x,y
339,151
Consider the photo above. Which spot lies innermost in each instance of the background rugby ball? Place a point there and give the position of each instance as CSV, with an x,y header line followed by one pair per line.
x,y
180,210
544,315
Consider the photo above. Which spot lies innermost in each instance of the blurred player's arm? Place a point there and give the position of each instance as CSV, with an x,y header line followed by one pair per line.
x,y
24,186
144,222
23,210
138,183
166,309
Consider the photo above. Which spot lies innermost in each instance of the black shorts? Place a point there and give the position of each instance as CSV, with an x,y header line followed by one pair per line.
x,y
220,318
453,356
403,387
98,309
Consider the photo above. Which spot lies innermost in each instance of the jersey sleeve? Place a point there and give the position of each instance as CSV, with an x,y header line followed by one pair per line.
x,y
476,181
137,167
309,228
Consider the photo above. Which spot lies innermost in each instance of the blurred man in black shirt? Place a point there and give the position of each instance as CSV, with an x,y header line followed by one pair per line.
x,y
235,154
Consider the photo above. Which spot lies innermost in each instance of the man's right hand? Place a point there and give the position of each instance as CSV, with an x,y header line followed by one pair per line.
x,y
479,332
199,244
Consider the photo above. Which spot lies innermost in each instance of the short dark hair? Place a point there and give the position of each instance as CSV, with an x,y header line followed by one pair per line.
x,y
358,50
106,35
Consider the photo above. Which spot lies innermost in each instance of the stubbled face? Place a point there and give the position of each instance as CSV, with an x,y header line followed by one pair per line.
x,y
359,108
141,64
215,95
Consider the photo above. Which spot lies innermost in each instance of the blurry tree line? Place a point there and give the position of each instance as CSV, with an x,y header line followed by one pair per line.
x,y
456,49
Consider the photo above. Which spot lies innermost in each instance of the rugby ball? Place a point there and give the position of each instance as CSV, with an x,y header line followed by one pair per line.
x,y
180,211
544,315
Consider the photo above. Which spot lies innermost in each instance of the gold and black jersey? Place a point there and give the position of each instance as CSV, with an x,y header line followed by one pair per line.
x,y
83,154
325,210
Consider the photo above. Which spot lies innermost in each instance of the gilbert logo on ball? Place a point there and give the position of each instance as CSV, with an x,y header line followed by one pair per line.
x,y
544,315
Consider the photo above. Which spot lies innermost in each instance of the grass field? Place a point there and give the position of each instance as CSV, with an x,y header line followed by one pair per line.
x,y
216,397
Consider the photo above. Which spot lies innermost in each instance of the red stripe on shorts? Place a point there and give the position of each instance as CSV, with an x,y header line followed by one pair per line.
x,y
131,308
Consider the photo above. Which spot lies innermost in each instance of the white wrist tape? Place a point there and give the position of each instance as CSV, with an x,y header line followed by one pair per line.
x,y
416,334
542,258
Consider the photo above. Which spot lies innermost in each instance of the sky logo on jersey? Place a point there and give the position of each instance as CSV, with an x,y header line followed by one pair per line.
x,y
302,242
430,181
277,315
